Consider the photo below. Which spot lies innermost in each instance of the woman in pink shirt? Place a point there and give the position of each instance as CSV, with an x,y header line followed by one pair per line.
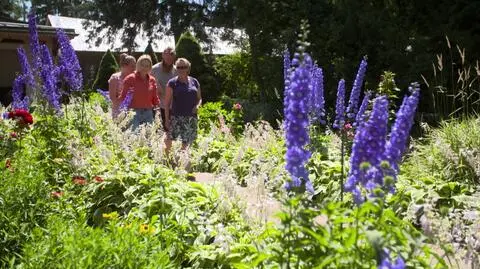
x,y
115,83
143,88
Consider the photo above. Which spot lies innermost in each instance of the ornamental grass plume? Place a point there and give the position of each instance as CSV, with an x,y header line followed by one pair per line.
x,y
296,114
356,89
340,106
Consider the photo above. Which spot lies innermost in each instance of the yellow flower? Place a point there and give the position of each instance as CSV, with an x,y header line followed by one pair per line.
x,y
110,216
146,229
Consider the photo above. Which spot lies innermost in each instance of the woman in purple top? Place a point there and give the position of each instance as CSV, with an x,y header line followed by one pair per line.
x,y
183,95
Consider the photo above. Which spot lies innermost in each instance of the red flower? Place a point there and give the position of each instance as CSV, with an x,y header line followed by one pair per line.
x,y
237,106
13,135
98,179
79,180
56,194
23,116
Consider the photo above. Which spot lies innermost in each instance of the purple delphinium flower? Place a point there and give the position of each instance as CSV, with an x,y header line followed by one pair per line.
x,y
357,87
360,118
26,70
20,101
367,151
105,95
34,43
400,133
386,264
340,106
296,131
126,102
49,78
69,67
317,99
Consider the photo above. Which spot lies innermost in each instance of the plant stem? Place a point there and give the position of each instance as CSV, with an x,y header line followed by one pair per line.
x,y
342,153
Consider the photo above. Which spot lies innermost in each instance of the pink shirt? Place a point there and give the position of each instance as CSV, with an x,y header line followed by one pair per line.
x,y
115,85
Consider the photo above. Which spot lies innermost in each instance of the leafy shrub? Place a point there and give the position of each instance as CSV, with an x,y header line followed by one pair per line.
x,y
108,66
75,245
437,186
209,114
24,203
256,111
189,48
337,236
235,71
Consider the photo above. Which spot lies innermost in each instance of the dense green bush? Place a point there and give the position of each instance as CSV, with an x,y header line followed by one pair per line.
x,y
235,71
24,205
75,245
338,236
108,66
189,48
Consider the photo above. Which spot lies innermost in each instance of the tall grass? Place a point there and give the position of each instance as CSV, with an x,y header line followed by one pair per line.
x,y
455,89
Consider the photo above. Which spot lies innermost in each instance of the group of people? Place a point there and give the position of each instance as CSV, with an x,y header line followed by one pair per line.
x,y
165,88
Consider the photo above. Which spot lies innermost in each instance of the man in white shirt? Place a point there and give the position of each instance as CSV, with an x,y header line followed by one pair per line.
x,y
163,72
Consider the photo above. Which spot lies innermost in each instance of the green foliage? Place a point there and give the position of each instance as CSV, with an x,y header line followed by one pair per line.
x,y
339,237
388,87
210,113
108,66
236,73
256,111
437,186
75,245
189,48
24,203
149,51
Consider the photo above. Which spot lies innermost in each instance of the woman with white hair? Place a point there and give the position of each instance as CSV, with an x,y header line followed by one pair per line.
x,y
143,88
184,96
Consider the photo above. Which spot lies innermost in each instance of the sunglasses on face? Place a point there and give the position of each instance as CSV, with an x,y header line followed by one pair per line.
x,y
182,67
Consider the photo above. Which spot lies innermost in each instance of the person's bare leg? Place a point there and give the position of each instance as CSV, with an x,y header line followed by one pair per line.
x,y
168,146
186,158
185,146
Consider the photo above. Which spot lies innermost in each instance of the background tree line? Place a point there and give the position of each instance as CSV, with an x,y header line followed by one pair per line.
x,y
403,36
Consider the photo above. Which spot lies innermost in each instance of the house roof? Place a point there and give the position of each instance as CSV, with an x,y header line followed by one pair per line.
x,y
17,27
82,43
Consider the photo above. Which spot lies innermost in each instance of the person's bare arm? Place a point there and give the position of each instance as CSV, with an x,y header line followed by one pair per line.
x,y
113,90
199,100
168,104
